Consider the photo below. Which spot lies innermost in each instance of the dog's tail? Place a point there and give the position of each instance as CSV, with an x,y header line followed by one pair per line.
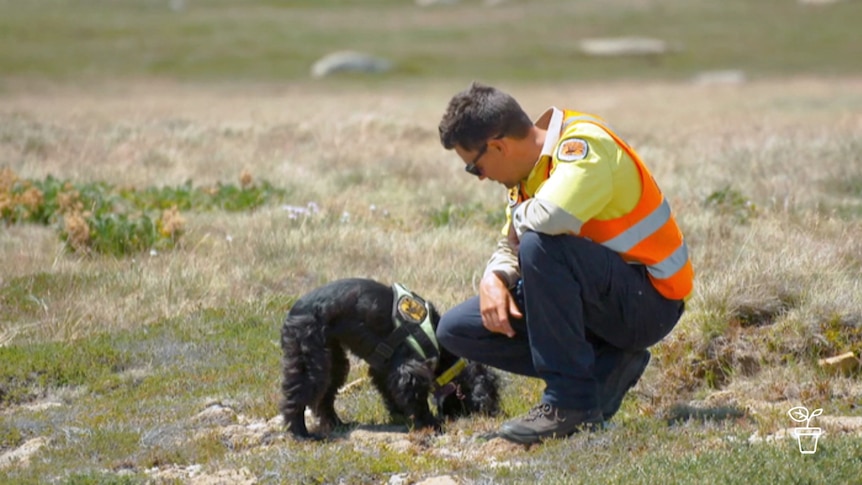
x,y
305,373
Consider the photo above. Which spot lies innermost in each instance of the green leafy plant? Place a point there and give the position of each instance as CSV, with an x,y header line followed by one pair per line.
x,y
459,214
98,217
733,203
187,197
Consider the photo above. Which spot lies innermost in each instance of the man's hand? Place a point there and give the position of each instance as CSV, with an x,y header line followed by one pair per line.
x,y
496,304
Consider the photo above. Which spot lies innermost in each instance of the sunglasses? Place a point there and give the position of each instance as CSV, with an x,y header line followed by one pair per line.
x,y
471,167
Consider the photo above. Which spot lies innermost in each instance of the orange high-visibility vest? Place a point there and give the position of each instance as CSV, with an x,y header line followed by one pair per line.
x,y
648,234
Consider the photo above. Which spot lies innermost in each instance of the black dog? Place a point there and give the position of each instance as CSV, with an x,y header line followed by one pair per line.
x,y
391,329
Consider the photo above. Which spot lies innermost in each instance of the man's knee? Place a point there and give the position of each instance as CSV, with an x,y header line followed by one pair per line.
x,y
454,326
445,331
536,247
530,242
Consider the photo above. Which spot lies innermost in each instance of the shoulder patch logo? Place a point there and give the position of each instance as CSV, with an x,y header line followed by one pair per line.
x,y
572,149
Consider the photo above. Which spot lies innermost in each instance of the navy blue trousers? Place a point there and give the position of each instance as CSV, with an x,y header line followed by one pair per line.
x,y
584,307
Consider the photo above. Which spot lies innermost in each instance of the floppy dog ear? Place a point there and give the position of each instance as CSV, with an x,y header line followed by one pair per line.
x,y
416,373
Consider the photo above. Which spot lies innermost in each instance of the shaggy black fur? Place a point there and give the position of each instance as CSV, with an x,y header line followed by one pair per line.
x,y
356,314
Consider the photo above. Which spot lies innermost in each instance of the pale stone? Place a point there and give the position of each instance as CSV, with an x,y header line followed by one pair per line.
x,y
441,480
624,46
729,76
215,415
846,363
431,3
20,457
349,61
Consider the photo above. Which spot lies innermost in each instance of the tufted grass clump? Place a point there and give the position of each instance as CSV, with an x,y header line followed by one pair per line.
x,y
731,202
455,214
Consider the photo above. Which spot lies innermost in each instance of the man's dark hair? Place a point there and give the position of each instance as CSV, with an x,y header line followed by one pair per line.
x,y
480,113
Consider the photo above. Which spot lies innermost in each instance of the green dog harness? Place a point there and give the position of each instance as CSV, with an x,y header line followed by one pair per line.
x,y
410,310
412,318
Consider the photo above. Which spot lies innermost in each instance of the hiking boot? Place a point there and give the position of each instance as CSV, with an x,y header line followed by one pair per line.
x,y
624,376
548,421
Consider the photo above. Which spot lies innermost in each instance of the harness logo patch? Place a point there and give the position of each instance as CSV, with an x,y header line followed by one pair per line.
x,y
412,309
572,149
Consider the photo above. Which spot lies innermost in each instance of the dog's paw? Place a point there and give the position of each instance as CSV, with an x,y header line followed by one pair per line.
x,y
326,426
430,425
343,427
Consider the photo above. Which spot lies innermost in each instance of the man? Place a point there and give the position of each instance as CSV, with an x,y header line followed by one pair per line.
x,y
592,268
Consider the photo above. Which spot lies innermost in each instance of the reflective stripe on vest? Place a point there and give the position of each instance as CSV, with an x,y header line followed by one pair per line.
x,y
648,234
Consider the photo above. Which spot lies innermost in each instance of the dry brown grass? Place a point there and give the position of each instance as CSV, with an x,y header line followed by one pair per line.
x,y
779,271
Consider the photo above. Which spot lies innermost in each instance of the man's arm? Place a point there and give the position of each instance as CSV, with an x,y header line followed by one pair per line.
x,y
580,187
503,263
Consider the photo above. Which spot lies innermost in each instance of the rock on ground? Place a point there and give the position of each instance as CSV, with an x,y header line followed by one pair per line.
x,y
21,456
624,46
729,76
349,61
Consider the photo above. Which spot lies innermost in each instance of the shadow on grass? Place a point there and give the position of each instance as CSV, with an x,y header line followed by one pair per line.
x,y
362,432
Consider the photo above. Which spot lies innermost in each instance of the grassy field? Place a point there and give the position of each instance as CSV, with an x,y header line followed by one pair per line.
x,y
144,349
226,40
